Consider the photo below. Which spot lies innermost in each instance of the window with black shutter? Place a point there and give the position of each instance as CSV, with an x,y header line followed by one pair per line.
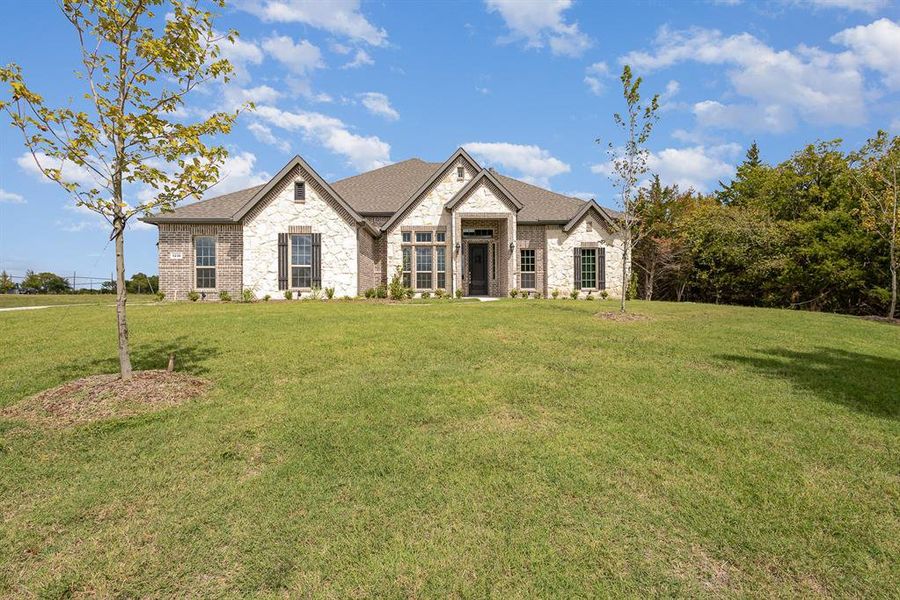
x,y
602,271
282,261
317,260
576,268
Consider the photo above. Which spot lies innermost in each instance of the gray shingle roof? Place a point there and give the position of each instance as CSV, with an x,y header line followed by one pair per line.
x,y
384,191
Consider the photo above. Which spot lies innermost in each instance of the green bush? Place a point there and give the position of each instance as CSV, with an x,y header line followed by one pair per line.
x,y
329,292
604,294
369,293
224,296
589,296
396,289
160,296
513,293
266,298
426,295
459,293
315,293
381,291
247,295
288,294
441,293
409,293
555,294
574,294
193,296
538,295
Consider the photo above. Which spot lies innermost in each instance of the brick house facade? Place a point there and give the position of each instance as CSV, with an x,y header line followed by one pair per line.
x,y
453,225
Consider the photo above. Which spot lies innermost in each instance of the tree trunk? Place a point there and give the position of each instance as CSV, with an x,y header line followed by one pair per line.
x,y
893,247
649,280
626,256
121,298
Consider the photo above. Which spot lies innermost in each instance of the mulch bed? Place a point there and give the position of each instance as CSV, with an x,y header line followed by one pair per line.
x,y
100,397
622,317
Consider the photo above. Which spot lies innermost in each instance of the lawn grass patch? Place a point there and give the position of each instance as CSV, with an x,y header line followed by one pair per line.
x,y
508,448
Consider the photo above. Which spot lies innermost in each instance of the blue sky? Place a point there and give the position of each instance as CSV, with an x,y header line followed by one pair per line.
x,y
526,86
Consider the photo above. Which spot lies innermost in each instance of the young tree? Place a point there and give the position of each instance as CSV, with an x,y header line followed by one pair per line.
x,y
876,178
629,162
139,65
6,283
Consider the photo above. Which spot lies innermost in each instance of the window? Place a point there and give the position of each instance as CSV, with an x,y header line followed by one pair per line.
x,y
589,268
299,191
423,237
406,236
441,267
301,261
460,173
423,267
440,236
527,268
205,252
407,263
478,233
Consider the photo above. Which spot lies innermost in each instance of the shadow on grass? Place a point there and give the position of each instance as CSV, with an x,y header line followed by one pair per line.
x,y
866,383
190,357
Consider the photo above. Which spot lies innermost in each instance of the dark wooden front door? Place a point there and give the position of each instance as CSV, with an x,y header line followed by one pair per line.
x,y
478,270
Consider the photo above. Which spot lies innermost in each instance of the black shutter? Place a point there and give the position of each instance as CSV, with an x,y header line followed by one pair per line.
x,y
601,276
282,261
577,268
317,260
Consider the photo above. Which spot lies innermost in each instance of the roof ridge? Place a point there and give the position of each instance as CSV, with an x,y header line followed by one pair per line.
x,y
380,169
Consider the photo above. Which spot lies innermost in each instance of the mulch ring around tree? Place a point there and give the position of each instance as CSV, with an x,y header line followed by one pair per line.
x,y
626,317
101,397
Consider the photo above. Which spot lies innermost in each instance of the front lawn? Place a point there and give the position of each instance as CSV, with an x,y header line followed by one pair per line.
x,y
508,449
13,300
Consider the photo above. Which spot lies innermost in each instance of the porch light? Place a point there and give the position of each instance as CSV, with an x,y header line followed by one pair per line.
x,y
458,246
512,246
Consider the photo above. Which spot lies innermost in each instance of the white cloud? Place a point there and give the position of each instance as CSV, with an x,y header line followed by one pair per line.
x,y
11,197
532,163
595,74
340,17
236,173
541,24
360,59
361,152
581,194
301,58
876,46
241,53
895,126
695,167
869,6
264,134
234,96
70,172
809,84
379,104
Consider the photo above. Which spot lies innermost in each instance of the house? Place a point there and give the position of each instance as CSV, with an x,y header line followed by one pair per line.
x,y
452,226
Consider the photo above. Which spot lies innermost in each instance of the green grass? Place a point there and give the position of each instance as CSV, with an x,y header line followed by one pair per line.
x,y
13,300
507,449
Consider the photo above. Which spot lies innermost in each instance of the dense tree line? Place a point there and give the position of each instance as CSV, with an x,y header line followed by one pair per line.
x,y
817,231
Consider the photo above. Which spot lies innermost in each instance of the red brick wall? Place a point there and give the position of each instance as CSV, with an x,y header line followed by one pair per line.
x,y
177,276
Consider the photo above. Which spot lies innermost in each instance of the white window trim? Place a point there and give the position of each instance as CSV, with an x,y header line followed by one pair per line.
x,y
215,267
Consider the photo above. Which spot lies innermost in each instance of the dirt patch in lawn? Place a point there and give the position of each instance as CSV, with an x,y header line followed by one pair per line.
x,y
622,317
100,397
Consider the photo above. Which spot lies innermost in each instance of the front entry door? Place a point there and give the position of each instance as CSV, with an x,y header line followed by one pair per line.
x,y
478,270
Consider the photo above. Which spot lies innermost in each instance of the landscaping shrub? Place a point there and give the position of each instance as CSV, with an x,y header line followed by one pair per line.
x,y
224,296
288,294
513,293
381,291
459,293
589,296
604,294
441,293
193,296
266,298
247,295
396,289
369,293
329,292
160,296
555,294
574,294
409,293
315,293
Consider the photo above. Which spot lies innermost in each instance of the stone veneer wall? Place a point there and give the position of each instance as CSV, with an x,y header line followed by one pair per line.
x,y
531,237
560,247
177,276
278,213
429,212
